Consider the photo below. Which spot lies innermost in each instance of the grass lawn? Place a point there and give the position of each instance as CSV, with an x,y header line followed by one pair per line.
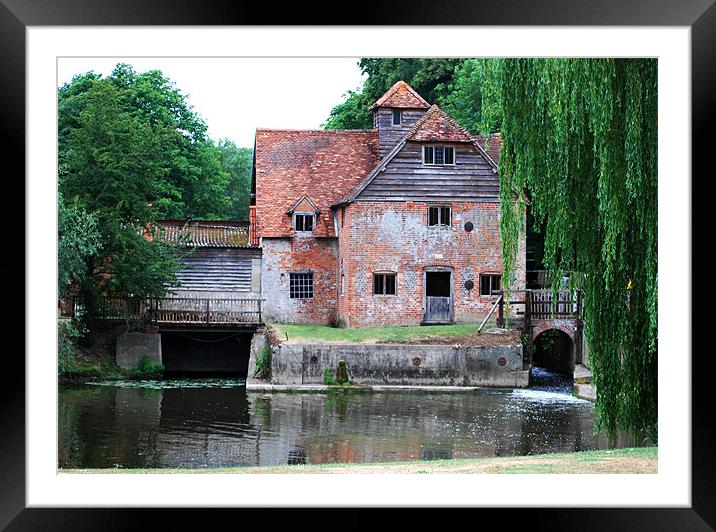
x,y
399,335
613,461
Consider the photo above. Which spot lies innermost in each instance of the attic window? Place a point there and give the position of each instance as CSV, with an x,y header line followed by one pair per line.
x,y
396,117
438,155
303,221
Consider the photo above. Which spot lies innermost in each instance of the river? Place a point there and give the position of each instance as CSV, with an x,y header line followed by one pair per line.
x,y
218,423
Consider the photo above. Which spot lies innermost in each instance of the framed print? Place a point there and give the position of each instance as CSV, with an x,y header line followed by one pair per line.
x,y
40,39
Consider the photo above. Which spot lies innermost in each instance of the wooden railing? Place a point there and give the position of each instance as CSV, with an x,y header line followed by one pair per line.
x,y
541,305
173,310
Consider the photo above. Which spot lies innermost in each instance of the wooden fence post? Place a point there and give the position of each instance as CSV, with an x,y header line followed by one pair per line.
x,y
501,312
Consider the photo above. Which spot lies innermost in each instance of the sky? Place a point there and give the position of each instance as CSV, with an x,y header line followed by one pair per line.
x,y
234,96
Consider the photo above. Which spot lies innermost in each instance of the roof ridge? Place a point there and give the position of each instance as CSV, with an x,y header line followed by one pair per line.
x,y
318,130
392,90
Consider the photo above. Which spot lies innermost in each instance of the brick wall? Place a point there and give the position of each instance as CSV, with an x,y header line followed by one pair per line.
x,y
301,253
375,236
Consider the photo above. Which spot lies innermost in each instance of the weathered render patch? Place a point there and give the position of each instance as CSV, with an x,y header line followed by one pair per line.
x,y
500,366
281,257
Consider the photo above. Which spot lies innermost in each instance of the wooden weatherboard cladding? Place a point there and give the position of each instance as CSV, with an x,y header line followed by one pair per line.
x,y
406,178
218,269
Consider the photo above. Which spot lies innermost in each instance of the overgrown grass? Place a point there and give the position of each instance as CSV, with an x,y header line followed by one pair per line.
x,y
400,335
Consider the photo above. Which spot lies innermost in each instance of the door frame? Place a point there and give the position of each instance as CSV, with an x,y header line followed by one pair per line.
x,y
450,270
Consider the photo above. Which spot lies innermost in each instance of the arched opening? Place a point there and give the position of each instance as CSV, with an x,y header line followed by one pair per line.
x,y
554,351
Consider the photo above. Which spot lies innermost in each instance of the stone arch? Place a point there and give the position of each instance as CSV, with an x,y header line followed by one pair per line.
x,y
556,352
568,327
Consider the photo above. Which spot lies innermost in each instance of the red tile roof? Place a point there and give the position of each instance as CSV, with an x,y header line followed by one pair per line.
x,y
319,164
403,96
436,126
493,147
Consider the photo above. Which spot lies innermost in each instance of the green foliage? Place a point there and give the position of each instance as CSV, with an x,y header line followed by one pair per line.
x,y
342,372
147,368
237,163
77,239
580,138
263,364
328,378
462,98
68,356
430,77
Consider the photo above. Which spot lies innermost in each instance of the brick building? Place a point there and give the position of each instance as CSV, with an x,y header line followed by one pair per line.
x,y
398,224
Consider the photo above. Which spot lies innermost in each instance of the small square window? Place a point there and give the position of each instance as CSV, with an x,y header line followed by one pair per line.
x,y
301,285
384,284
490,283
439,216
303,222
396,117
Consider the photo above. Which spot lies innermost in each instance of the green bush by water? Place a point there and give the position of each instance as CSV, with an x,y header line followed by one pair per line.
x,y
148,368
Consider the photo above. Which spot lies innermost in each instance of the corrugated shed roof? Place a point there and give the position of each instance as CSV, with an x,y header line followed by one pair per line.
x,y
401,96
205,235
319,164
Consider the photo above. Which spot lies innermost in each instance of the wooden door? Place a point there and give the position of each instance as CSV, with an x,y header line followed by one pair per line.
x,y
438,297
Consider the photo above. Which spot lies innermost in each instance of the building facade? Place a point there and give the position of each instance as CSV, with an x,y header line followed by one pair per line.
x,y
399,224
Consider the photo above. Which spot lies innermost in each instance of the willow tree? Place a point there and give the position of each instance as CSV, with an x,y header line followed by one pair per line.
x,y
580,143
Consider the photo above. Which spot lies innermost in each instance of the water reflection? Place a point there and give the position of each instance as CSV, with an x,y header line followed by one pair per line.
x,y
175,425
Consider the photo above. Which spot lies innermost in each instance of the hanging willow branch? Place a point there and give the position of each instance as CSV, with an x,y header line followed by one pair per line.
x,y
580,139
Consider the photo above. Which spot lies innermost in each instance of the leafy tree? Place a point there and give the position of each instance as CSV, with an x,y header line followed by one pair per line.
x,y
114,165
187,180
462,98
580,137
430,77
237,163
77,239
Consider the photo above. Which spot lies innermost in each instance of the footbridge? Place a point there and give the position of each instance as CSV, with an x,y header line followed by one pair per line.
x,y
547,314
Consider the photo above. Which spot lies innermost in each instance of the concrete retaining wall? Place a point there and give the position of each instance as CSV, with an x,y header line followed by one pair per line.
x,y
401,364
132,346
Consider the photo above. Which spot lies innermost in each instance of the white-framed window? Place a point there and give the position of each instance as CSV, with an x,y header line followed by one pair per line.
x,y
439,216
304,221
438,155
301,285
397,117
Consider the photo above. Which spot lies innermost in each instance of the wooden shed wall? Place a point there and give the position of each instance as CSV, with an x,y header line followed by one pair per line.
x,y
406,178
218,269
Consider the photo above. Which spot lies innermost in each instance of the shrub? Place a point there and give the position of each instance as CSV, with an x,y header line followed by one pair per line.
x,y
263,364
328,378
148,368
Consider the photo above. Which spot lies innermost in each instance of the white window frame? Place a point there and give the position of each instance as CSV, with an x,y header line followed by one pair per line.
x,y
392,118
311,214
454,155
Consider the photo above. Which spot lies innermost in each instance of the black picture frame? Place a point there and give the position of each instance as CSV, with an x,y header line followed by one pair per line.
x,y
17,15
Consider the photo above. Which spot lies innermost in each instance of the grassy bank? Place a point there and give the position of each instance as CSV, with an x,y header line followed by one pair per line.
x,y
395,334
631,460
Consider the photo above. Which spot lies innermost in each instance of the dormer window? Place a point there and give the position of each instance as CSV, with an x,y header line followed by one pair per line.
x,y
303,221
304,215
396,117
436,155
